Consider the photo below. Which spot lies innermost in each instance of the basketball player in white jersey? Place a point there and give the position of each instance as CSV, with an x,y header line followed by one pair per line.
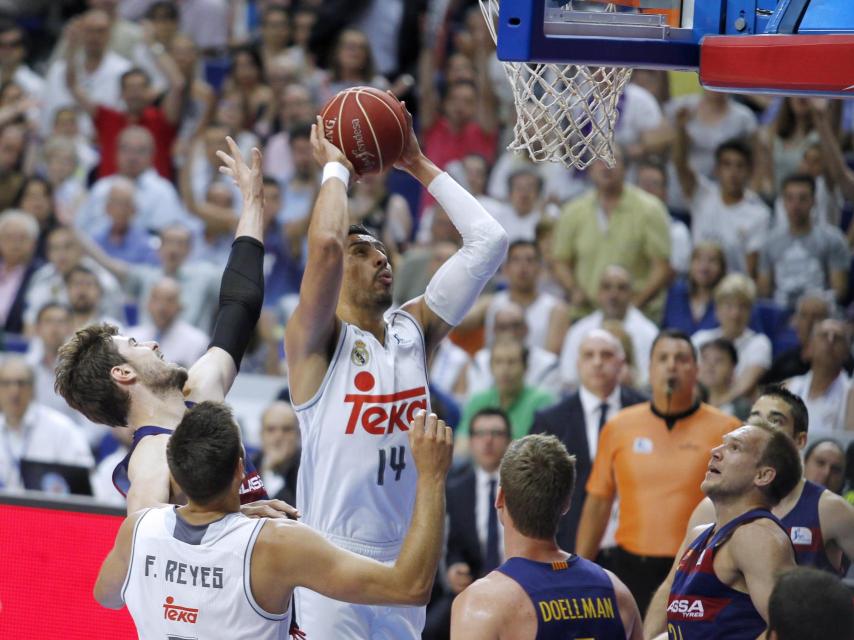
x,y
205,570
358,376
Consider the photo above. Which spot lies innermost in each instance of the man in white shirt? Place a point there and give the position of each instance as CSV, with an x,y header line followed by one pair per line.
x,y
577,419
182,341
157,202
520,217
542,365
825,388
48,282
31,431
614,299
546,315
98,72
726,212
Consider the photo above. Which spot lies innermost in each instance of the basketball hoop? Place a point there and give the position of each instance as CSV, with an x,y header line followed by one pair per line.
x,y
564,112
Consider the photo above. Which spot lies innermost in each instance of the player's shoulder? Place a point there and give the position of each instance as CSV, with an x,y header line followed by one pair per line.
x,y
833,508
494,593
761,533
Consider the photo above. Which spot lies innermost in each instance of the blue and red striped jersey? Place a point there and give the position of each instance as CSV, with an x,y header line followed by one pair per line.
x,y
573,599
700,606
804,529
252,488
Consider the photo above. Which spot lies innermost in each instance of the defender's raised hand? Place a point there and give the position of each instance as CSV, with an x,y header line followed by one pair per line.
x,y
432,445
249,179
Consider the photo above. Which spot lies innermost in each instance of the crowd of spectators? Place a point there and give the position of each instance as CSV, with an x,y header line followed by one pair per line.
x,y
725,217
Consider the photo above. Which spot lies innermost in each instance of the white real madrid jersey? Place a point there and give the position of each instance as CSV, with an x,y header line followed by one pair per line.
x,y
189,581
356,481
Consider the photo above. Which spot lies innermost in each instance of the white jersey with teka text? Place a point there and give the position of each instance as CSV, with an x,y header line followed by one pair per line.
x,y
356,482
191,581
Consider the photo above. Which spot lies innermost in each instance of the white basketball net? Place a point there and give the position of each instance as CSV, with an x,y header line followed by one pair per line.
x,y
564,112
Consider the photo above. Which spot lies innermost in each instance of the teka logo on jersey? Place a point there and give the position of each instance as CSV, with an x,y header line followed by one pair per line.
x,y
176,613
382,413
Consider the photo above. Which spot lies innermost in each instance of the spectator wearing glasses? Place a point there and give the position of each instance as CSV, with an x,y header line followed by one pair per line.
x,y
475,539
30,430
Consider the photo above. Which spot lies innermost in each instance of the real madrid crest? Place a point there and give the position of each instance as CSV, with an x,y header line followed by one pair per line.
x,y
360,356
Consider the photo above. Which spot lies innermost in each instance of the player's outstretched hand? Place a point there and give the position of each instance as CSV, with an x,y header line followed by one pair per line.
x,y
411,150
249,179
324,151
432,445
269,509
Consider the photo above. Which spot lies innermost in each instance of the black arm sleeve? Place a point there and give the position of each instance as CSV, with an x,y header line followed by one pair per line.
x,y
241,295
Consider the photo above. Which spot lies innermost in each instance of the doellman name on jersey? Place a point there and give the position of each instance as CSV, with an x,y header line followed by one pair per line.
x,y
576,609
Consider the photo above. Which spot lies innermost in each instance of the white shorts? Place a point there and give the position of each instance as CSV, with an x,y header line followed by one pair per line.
x,y
325,619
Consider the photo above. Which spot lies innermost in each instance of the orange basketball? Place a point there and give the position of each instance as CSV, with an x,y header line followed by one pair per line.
x,y
368,125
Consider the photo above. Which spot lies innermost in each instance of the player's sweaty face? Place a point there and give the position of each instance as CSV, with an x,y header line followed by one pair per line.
x,y
367,272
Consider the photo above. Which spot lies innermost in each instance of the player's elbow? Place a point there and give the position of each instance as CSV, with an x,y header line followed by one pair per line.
x,y
326,246
419,596
105,598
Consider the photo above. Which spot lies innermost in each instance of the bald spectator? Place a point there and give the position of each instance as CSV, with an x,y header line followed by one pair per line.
x,y
278,461
48,282
32,431
826,387
157,201
199,280
180,341
98,70
125,239
546,315
12,145
578,419
614,223
19,234
508,365
541,370
615,303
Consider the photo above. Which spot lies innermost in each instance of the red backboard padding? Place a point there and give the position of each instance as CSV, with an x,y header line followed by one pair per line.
x,y
779,63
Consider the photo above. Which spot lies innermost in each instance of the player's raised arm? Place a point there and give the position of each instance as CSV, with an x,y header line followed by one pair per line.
x,y
313,325
114,570
456,285
241,293
305,558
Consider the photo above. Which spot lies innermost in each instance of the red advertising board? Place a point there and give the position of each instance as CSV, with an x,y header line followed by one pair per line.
x,y
49,559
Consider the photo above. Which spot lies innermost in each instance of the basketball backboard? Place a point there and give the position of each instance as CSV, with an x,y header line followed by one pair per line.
x,y
785,46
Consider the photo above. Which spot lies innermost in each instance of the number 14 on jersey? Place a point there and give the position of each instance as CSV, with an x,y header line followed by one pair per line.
x,y
393,458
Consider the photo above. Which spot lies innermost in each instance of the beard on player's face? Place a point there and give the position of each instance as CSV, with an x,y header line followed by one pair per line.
x,y
163,377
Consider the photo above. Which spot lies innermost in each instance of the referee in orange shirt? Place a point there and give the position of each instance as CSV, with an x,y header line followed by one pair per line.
x,y
654,456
